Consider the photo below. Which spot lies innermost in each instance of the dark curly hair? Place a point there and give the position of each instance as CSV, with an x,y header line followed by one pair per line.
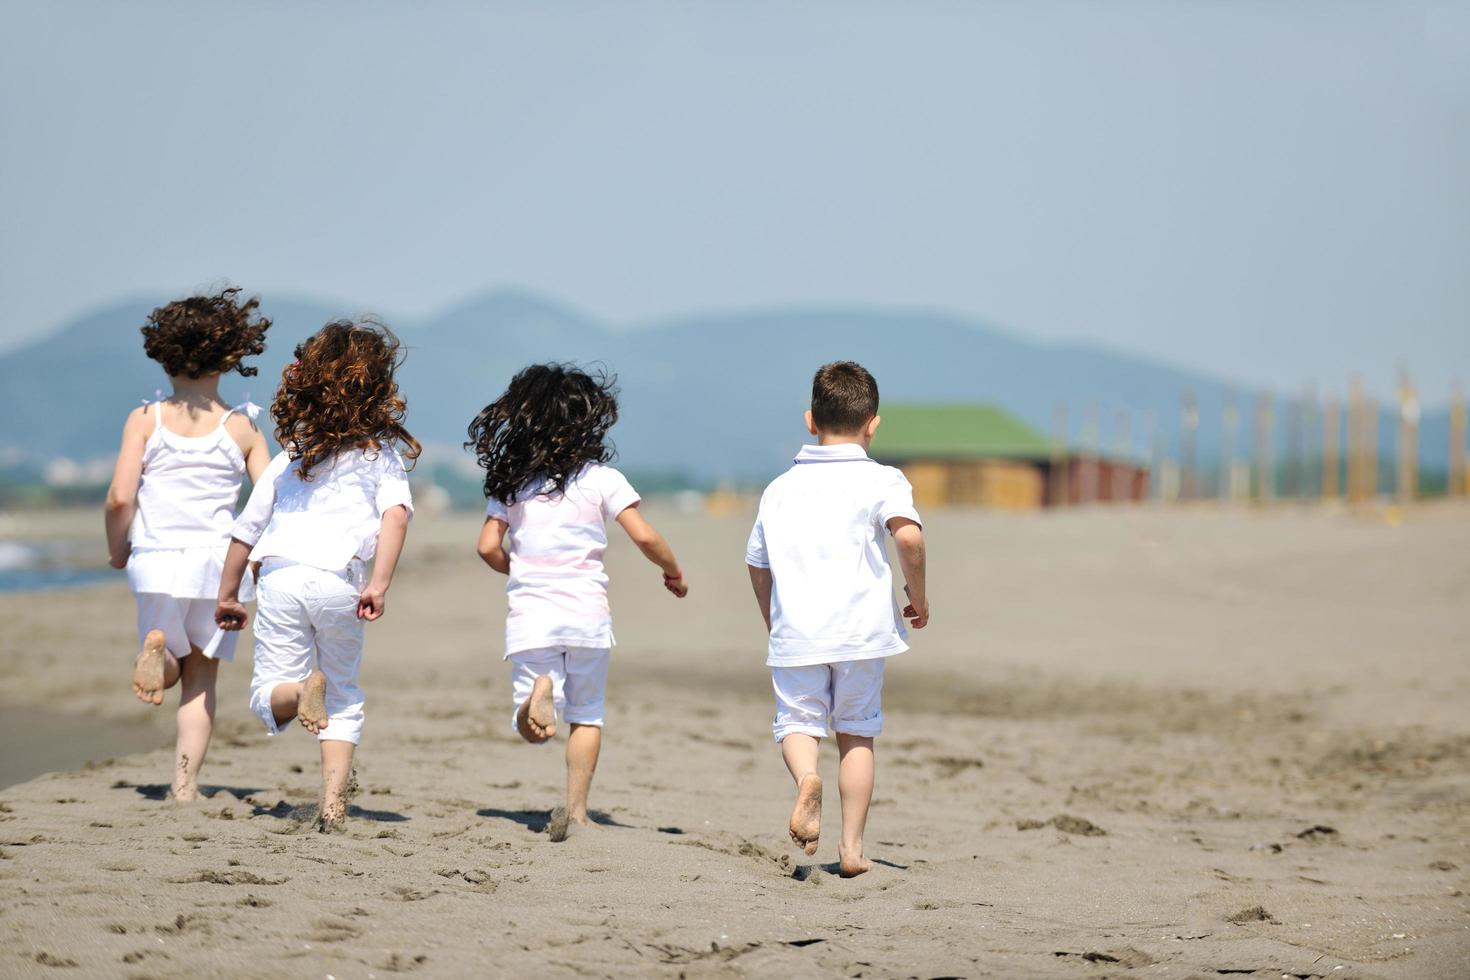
x,y
340,394
205,335
550,423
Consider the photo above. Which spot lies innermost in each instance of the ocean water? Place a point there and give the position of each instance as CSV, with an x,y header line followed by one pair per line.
x,y
27,566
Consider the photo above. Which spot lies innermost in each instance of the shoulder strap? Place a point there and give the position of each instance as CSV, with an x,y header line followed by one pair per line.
x,y
158,415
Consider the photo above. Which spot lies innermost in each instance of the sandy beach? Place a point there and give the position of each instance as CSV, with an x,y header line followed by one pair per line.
x,y
1155,743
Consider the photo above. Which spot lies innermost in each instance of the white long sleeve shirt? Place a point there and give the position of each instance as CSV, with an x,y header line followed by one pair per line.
x,y
329,520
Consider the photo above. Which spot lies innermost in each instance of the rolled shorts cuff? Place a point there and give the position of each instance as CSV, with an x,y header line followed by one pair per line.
x,y
348,729
865,728
260,706
780,731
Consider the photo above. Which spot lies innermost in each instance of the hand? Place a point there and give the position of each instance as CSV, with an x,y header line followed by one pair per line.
x,y
917,613
120,559
372,603
675,583
230,615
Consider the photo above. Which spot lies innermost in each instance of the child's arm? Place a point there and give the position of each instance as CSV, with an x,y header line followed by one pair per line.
x,y
492,545
373,601
760,580
654,548
229,611
122,495
258,456
908,537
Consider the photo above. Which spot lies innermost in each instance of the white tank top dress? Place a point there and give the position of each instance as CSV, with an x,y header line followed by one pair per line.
x,y
186,507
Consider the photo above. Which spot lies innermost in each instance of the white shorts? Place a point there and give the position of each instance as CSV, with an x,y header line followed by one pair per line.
x,y
578,681
187,625
847,697
306,617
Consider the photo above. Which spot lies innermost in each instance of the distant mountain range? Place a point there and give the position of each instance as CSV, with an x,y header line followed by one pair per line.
x,y
712,397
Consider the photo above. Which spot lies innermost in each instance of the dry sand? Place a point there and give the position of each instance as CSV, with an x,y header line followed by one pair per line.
x,y
1161,744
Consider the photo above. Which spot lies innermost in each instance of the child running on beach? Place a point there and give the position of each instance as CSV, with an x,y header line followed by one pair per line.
x,y
820,571
171,504
334,499
542,445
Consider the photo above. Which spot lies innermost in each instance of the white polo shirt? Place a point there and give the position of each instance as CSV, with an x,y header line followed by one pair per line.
x,y
821,530
330,520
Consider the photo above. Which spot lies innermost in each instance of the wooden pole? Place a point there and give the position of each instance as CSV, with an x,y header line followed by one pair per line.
x,y
1265,459
1458,485
1331,441
1188,442
1119,490
1059,489
1087,475
1229,430
1357,447
1408,447
1370,447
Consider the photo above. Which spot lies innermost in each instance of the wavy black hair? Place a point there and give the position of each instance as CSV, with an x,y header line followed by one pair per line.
x,y
550,423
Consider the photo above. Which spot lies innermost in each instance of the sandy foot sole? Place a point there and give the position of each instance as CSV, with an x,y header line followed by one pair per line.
x,y
149,668
541,709
312,711
559,826
806,816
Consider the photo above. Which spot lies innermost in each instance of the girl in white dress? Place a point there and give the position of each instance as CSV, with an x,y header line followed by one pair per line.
x,y
171,505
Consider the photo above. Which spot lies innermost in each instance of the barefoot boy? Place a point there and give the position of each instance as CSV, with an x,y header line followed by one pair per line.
x,y
821,576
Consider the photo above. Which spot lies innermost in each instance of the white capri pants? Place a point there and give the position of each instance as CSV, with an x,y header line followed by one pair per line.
x,y
186,624
303,614
578,681
847,697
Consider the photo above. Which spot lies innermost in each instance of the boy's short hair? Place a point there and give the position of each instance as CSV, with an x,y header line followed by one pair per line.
x,y
844,397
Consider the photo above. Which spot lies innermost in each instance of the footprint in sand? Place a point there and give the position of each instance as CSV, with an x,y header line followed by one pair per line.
x,y
332,931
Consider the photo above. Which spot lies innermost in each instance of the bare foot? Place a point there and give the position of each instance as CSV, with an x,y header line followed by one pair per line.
x,y
541,709
850,861
149,668
312,710
333,817
806,816
185,788
560,824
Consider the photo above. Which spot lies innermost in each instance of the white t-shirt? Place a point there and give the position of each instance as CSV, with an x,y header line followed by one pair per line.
x,y
820,531
557,590
330,520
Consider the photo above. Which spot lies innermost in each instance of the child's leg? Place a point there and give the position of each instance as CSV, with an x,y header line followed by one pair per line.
x,y
331,701
855,784
156,668
803,705
536,715
857,718
283,647
585,696
195,722
538,689
336,776
583,747
800,750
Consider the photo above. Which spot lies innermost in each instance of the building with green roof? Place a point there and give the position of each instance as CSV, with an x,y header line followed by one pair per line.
x,y
982,455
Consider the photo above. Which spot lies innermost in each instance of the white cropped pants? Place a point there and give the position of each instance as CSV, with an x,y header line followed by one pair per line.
x,y
306,617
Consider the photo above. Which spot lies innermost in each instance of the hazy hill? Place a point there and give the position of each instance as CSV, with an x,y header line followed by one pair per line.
x,y
713,396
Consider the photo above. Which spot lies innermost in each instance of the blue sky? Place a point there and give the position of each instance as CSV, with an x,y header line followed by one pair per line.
x,y
1274,192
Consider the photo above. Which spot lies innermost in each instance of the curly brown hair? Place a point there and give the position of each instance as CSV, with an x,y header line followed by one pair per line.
x,y
551,422
204,335
340,394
